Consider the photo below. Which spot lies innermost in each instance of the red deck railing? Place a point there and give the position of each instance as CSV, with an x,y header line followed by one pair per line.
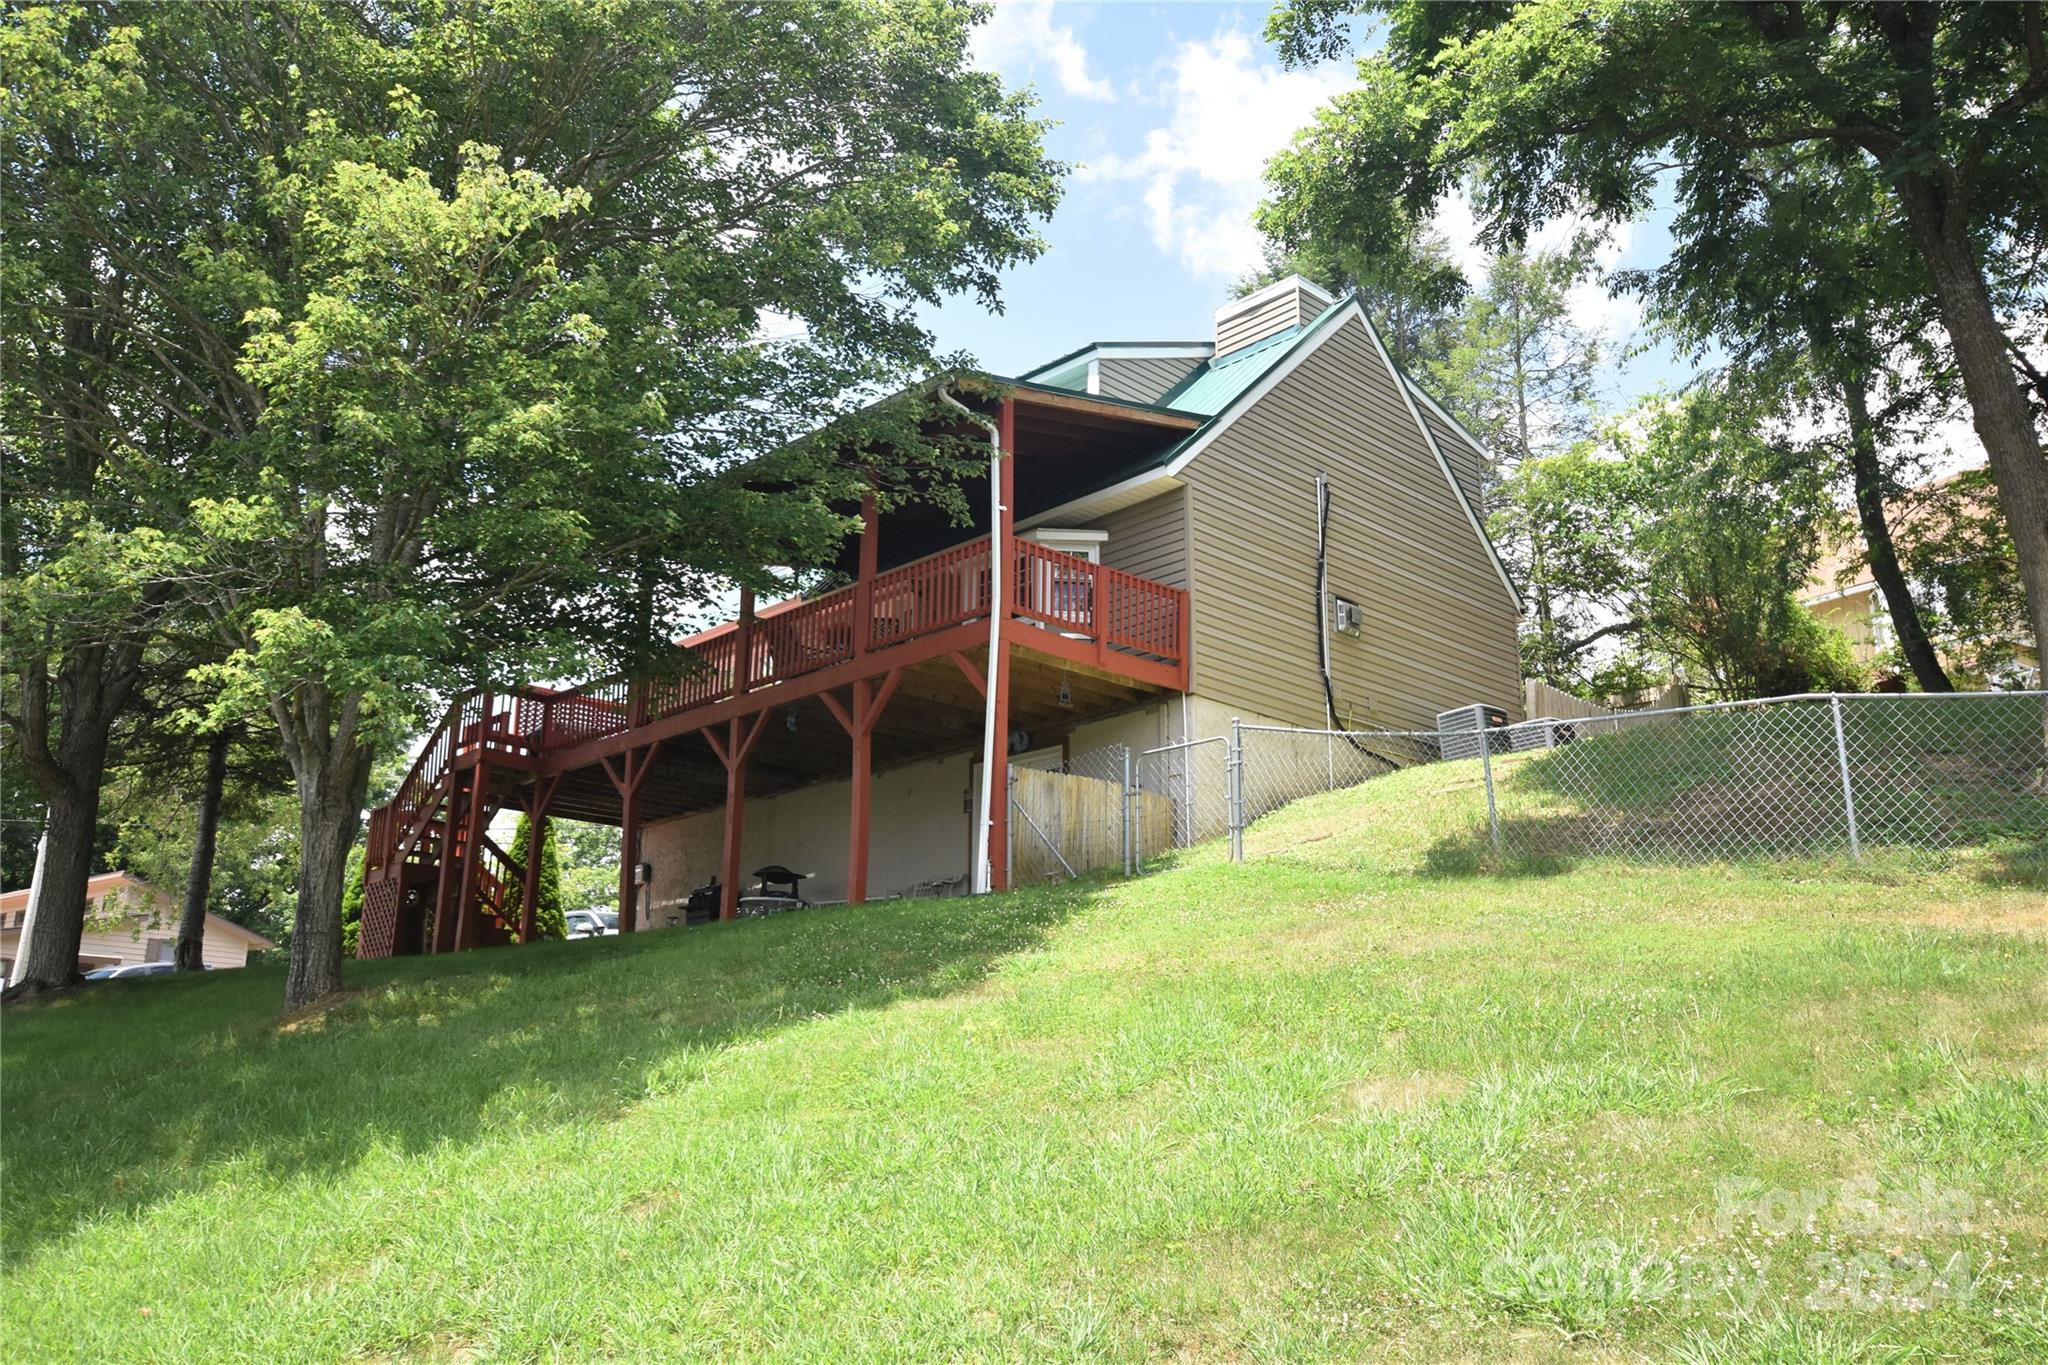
x,y
947,589
1122,610
1062,592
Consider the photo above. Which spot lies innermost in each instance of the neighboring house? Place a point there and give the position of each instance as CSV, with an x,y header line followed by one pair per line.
x,y
1159,544
1843,593
128,921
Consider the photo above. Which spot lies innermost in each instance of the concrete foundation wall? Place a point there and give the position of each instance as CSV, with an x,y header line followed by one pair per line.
x,y
919,832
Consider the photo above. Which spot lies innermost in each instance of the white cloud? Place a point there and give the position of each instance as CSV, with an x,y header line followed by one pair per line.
x,y
1228,112
1020,39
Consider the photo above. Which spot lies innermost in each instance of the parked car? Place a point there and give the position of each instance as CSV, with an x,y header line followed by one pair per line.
x,y
592,923
132,969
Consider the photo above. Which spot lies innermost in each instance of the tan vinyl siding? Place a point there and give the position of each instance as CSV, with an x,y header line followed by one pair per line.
x,y
1288,308
1142,381
1439,625
1466,461
1149,539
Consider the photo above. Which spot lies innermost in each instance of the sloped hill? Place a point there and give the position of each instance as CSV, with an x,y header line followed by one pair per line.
x,y
1345,1100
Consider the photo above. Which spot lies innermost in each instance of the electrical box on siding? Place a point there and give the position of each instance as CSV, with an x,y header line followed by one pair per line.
x,y
1347,617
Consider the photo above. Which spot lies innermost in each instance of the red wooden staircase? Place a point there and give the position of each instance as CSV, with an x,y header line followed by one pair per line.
x,y
434,880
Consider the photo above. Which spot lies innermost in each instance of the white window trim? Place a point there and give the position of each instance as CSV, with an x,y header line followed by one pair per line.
x,y
1082,544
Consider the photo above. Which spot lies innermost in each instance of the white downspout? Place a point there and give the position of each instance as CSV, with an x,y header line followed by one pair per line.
x,y
989,738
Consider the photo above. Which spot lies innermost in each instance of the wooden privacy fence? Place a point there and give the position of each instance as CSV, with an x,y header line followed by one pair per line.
x,y
1541,701
1084,819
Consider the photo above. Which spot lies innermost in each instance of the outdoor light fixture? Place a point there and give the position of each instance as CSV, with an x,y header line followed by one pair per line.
x,y
789,719
1066,693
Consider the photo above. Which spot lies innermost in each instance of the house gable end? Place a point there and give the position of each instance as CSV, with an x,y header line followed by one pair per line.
x,y
1405,543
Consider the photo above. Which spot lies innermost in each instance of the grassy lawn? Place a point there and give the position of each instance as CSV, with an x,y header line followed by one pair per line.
x,y
1343,1101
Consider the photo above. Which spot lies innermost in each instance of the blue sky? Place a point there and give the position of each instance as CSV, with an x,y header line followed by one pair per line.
x,y
1170,112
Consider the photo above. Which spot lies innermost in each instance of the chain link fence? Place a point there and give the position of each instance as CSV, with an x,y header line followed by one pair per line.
x,y
1817,775
1808,775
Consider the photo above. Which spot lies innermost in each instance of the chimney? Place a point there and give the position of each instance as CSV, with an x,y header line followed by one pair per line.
x,y
1279,307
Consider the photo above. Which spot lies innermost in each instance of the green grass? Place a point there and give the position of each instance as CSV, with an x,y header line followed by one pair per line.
x,y
1339,1102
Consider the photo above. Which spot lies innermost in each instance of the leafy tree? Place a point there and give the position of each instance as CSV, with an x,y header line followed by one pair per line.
x,y
255,864
463,318
352,896
192,782
548,921
1731,524
1832,320
82,587
1522,373
1686,530
589,856
21,825
1560,106
1952,539
1565,525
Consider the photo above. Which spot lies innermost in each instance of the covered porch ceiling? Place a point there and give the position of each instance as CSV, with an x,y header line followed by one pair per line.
x,y
1067,445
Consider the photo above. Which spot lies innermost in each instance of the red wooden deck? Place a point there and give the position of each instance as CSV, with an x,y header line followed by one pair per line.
x,y
429,844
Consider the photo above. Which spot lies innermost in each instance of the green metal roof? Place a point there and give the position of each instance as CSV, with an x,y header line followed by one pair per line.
x,y
1211,389
1070,371
1212,384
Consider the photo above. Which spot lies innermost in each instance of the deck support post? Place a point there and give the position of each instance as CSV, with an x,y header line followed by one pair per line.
x,y
632,769
536,827
472,845
445,887
999,774
741,737
863,781
859,724
864,583
743,645
629,858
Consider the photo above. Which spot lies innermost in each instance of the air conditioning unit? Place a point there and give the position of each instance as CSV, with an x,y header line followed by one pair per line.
x,y
1346,616
1548,733
1466,729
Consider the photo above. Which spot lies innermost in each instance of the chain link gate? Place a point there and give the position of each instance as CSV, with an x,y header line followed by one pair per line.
x,y
1192,777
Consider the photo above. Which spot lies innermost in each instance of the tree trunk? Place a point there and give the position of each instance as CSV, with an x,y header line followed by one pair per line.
x,y
199,881
1867,474
1998,406
49,954
332,783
